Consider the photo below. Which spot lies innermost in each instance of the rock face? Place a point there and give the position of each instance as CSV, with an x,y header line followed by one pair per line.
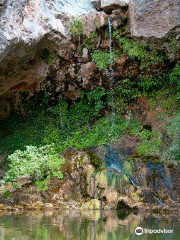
x,y
154,18
28,21
26,29
85,187
110,4
93,21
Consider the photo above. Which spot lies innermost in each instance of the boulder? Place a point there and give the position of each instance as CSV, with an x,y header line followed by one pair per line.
x,y
109,5
87,72
154,18
93,21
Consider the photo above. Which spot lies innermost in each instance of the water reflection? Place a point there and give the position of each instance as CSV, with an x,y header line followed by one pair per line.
x,y
86,225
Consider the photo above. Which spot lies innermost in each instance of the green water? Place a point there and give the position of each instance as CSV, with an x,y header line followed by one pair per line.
x,y
86,225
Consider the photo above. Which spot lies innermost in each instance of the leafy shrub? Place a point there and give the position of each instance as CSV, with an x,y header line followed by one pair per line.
x,y
37,164
76,27
102,59
140,51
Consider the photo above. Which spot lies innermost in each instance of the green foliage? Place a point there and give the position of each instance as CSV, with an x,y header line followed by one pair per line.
x,y
53,124
6,194
151,143
50,58
102,58
140,51
37,164
148,84
67,125
42,185
76,27
173,128
174,78
81,112
174,47
145,135
166,98
124,92
91,41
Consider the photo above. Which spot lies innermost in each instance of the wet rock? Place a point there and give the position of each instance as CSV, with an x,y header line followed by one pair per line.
x,y
147,195
89,185
126,203
3,207
75,160
102,179
154,18
93,204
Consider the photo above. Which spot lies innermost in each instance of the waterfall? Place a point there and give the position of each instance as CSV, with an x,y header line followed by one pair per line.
x,y
112,159
110,43
110,73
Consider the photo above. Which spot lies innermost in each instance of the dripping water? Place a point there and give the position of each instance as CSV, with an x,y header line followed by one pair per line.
x,y
110,43
110,73
112,159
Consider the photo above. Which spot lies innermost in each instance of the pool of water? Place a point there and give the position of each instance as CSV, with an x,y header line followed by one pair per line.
x,y
86,225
